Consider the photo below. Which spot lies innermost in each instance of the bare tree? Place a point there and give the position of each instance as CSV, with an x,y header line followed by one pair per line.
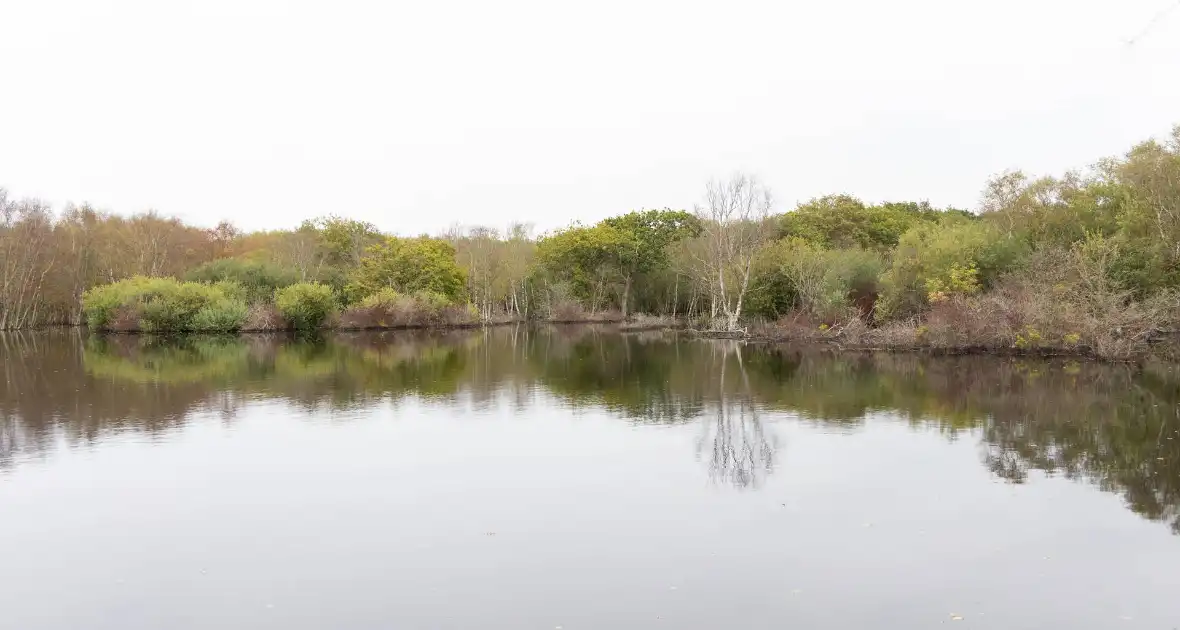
x,y
480,251
151,242
497,264
223,238
734,219
26,257
83,264
302,250
517,264
739,449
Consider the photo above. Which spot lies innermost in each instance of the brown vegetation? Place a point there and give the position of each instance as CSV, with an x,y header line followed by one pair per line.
x,y
47,261
644,322
264,318
571,312
404,314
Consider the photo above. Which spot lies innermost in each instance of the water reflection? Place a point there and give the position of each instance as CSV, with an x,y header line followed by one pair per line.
x,y
1114,427
739,450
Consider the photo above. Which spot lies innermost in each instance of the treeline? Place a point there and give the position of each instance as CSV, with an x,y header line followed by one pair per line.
x,y
1085,261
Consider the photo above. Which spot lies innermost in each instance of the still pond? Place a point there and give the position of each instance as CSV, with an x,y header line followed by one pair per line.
x,y
578,478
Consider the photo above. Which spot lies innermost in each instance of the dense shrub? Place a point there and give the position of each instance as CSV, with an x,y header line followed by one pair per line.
x,y
408,265
233,290
389,309
794,274
1061,300
305,306
257,280
930,257
772,294
162,305
385,298
225,316
1143,266
100,304
176,308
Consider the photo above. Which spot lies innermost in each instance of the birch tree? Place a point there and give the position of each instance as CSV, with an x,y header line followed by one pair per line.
x,y
26,258
518,262
734,220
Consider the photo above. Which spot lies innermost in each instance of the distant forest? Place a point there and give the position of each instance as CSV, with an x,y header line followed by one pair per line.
x,y
1081,259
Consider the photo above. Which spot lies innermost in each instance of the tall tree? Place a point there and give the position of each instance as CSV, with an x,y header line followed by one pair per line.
x,y
480,251
734,221
518,262
346,240
302,250
585,258
643,243
26,258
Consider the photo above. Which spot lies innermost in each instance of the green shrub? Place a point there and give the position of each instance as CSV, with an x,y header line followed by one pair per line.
x,y
386,298
225,316
174,307
432,301
408,265
853,273
959,280
796,275
1145,267
257,281
772,295
99,305
234,290
161,304
956,254
307,305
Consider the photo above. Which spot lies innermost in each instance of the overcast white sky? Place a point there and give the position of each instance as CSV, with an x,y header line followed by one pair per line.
x,y
418,115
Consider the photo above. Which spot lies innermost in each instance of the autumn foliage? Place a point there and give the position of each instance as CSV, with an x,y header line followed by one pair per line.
x,y
1087,261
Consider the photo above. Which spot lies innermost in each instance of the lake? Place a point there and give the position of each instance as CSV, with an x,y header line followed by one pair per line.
x,y
578,478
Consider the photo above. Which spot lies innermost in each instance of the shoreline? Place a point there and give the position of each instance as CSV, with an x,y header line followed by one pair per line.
x,y
964,350
1081,352
681,327
620,324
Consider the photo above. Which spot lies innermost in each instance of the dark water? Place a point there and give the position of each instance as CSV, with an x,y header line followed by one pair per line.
x,y
576,478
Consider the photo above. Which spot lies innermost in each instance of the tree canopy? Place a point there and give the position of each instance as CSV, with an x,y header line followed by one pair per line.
x,y
1112,229
615,251
408,265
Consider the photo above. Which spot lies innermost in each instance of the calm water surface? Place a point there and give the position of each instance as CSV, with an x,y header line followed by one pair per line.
x,y
577,478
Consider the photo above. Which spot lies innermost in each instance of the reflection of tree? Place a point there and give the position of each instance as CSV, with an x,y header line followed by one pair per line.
x,y
1128,443
642,378
46,396
63,386
1110,426
206,360
740,451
